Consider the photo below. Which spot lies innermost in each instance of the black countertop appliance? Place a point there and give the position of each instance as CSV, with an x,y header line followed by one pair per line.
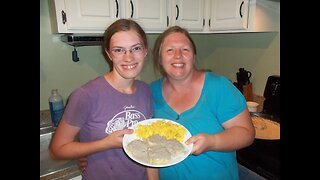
x,y
271,104
263,156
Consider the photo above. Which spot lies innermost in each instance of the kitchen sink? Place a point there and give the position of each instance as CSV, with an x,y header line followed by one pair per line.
x,y
50,168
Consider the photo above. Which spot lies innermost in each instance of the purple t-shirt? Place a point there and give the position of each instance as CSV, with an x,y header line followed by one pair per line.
x,y
99,109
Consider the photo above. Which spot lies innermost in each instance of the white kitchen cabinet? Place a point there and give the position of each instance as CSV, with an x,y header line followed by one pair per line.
x,y
80,16
94,16
267,16
212,16
198,16
188,14
226,15
150,14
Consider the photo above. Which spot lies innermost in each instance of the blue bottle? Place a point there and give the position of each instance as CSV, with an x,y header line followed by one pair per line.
x,y
56,107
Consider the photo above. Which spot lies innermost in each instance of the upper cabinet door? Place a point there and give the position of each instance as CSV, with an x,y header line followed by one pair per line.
x,y
228,15
94,16
188,14
150,14
85,15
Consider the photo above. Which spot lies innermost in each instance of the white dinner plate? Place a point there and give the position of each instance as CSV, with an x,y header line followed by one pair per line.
x,y
130,137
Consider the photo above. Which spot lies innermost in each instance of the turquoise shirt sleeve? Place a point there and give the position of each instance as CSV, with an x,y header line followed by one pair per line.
x,y
225,100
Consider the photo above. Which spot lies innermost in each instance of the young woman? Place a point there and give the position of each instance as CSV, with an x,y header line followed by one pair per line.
x,y
99,112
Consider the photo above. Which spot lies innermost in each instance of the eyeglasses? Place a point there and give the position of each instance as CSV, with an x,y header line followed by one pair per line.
x,y
136,50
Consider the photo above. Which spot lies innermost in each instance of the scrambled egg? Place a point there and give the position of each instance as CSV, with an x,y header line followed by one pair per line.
x,y
162,128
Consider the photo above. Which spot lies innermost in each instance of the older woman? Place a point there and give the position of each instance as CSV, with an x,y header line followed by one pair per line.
x,y
207,104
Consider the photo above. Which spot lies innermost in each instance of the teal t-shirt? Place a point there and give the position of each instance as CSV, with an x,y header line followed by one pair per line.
x,y
220,101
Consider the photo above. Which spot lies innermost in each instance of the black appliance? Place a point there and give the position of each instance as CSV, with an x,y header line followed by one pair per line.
x,y
271,104
263,156
77,40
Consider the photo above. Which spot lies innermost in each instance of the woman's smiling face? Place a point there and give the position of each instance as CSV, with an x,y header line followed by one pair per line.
x,y
177,55
127,53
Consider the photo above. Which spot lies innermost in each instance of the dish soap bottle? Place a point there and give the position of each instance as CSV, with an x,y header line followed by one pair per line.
x,y
56,107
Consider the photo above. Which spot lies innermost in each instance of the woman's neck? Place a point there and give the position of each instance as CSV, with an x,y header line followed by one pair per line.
x,y
126,86
183,84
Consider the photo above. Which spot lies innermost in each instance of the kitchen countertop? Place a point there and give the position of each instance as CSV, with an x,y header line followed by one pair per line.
x,y
53,169
64,173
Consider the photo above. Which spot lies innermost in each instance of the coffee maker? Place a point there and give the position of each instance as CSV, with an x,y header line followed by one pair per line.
x,y
271,104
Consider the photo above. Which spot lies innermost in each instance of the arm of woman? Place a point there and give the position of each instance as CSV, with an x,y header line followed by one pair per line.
x,y
152,173
64,144
238,133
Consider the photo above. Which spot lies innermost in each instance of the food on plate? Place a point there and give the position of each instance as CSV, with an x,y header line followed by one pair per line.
x,y
138,149
265,128
174,147
163,128
158,154
155,149
157,142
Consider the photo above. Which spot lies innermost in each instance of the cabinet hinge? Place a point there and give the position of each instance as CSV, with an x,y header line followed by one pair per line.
x,y
64,17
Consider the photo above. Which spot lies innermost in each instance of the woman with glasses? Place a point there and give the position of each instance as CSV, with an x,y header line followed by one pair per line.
x,y
100,112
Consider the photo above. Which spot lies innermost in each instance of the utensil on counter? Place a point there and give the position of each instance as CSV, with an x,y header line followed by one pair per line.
x,y
243,83
243,76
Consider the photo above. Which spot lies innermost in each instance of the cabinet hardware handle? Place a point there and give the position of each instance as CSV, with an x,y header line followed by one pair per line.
x,y
241,9
167,21
64,17
75,57
117,8
177,12
131,8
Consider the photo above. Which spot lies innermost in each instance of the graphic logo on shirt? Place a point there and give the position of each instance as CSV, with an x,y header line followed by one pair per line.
x,y
124,119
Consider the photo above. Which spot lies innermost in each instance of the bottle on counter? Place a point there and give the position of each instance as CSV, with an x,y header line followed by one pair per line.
x,y
56,107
